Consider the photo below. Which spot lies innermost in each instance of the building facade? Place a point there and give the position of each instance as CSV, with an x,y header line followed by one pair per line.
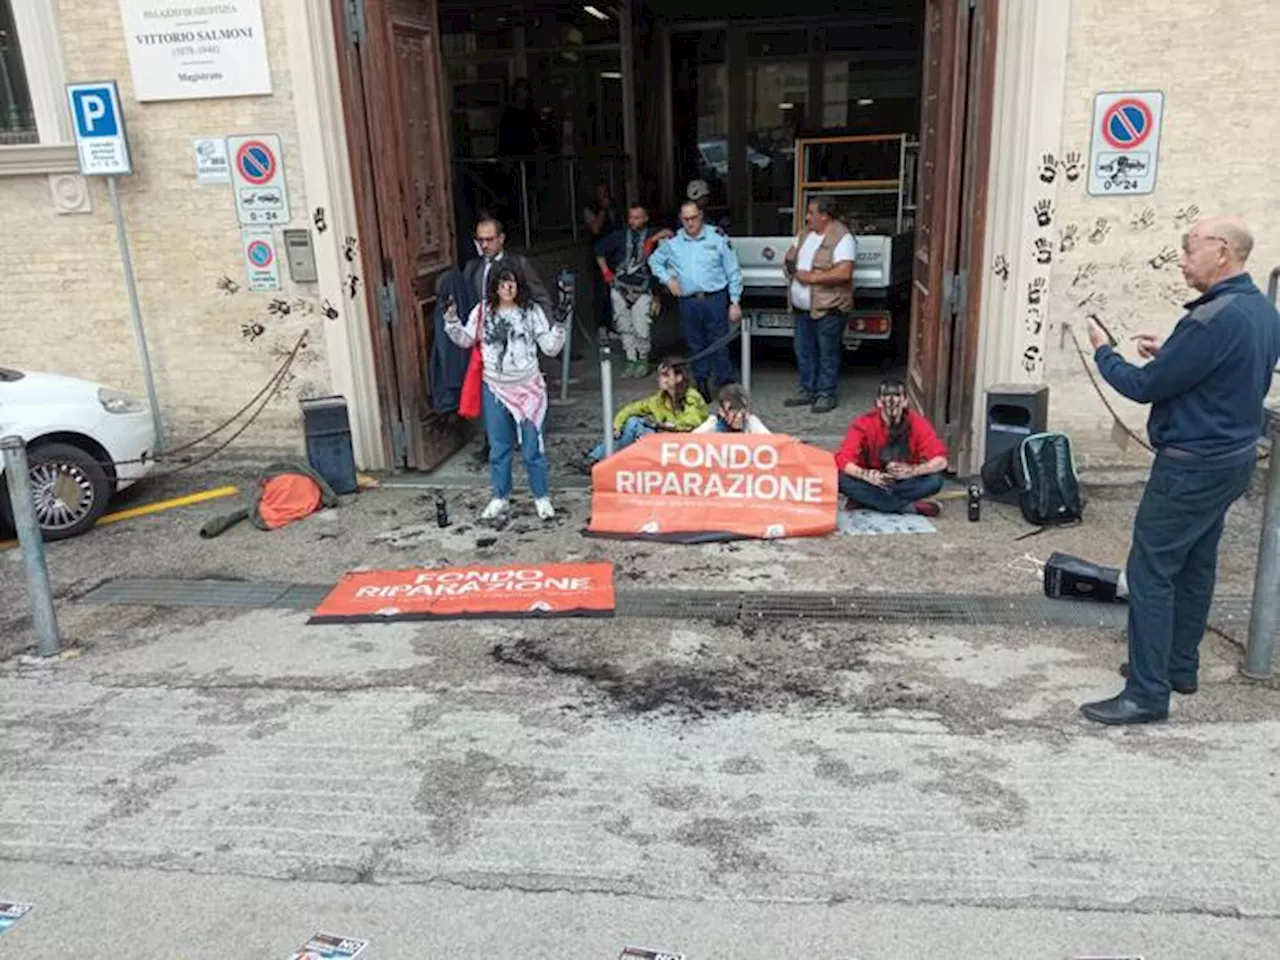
x,y
1043,255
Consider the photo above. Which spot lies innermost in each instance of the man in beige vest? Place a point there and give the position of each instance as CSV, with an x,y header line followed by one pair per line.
x,y
821,272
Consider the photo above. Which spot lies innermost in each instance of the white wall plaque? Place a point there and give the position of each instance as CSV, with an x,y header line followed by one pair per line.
x,y
196,49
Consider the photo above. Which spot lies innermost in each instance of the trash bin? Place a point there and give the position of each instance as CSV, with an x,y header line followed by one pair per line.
x,y
1014,411
327,429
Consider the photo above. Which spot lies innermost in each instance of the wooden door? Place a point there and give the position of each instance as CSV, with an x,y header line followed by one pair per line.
x,y
392,90
955,152
934,274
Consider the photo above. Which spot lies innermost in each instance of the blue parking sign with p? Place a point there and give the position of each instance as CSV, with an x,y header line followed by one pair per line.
x,y
95,112
99,128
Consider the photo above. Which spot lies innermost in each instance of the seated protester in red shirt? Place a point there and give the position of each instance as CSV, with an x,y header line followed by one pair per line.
x,y
892,460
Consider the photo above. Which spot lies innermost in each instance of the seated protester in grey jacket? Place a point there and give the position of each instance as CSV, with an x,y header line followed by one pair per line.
x,y
511,328
733,413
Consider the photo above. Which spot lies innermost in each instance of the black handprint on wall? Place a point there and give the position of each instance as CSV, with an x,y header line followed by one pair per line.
x,y
1048,168
1072,165
1032,357
1143,220
1035,291
1001,269
1067,239
1085,274
1044,213
1035,321
1044,251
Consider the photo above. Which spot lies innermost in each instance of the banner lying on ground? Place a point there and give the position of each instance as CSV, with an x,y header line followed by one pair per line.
x,y
690,488
548,590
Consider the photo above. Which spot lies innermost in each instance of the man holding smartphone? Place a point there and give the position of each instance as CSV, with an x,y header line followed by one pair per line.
x,y
1206,385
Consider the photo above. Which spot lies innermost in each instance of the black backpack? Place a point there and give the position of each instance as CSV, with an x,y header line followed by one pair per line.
x,y
1043,471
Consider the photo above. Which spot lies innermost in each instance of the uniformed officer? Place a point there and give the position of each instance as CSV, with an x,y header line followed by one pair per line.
x,y
701,270
1206,385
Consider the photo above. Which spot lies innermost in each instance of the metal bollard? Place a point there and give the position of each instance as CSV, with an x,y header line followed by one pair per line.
x,y
565,284
18,475
1264,619
606,392
746,352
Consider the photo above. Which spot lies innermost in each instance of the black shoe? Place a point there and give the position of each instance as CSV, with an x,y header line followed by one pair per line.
x,y
1179,686
1121,711
801,399
824,404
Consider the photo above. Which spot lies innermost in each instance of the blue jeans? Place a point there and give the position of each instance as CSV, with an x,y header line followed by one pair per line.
x,y
632,430
819,352
702,323
900,497
1173,564
500,427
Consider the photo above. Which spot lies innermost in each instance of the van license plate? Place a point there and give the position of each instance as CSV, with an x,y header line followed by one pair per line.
x,y
774,321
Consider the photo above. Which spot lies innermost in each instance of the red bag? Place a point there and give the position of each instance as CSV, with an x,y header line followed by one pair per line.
x,y
470,402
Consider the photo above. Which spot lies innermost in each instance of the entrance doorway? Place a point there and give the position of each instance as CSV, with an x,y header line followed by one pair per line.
x,y
389,67
744,90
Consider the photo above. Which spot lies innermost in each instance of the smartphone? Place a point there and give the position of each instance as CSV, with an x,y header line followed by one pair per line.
x,y
1111,338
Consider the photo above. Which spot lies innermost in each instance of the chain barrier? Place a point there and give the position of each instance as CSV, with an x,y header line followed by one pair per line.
x,y
261,399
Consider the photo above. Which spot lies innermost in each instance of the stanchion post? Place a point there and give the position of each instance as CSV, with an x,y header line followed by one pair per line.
x,y
31,542
745,323
1264,618
567,282
606,392
524,202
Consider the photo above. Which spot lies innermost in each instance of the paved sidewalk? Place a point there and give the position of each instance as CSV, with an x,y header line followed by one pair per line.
x,y
791,790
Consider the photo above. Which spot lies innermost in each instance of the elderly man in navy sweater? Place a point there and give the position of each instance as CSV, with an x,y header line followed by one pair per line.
x,y
1206,385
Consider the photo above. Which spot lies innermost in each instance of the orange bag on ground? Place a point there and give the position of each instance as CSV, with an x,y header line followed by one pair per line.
x,y
287,498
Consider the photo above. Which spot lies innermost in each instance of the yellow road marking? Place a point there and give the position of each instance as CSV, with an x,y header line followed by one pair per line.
x,y
189,500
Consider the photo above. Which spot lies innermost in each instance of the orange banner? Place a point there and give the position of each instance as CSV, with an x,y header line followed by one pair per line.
x,y
545,590
714,486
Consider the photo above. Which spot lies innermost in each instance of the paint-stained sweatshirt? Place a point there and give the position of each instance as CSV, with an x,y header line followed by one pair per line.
x,y
1207,384
509,340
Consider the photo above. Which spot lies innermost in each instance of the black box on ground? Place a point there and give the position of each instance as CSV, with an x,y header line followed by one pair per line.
x,y
327,428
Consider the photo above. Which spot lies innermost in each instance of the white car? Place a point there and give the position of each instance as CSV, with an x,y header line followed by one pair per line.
x,y
85,443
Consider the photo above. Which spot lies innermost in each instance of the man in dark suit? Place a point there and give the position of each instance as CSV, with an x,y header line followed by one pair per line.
x,y
493,248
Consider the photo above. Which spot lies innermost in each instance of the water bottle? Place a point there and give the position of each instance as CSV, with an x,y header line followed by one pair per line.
x,y
975,502
442,511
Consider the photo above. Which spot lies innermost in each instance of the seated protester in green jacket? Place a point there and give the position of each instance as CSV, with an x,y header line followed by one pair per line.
x,y
677,407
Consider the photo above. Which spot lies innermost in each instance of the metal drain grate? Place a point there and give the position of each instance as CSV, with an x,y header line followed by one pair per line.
x,y
720,606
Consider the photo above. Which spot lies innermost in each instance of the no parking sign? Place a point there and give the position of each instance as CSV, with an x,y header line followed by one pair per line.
x,y
1125,149
262,265
257,179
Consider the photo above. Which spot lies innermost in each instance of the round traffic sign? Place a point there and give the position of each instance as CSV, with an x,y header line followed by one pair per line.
x,y
1127,123
256,162
260,254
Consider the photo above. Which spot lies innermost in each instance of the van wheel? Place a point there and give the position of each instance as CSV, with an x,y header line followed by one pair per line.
x,y
69,487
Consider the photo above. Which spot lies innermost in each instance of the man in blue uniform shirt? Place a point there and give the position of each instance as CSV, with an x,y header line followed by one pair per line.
x,y
1206,385
701,270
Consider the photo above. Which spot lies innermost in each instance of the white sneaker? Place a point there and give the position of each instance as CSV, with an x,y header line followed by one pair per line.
x,y
496,508
545,510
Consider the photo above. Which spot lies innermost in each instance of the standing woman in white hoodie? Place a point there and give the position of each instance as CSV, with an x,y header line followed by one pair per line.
x,y
510,329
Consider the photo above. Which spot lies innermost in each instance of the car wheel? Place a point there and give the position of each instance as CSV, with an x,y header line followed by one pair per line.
x,y
70,489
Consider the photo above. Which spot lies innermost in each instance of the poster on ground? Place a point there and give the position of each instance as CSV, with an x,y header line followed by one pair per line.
x,y
692,488
325,946
518,590
11,913
642,953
